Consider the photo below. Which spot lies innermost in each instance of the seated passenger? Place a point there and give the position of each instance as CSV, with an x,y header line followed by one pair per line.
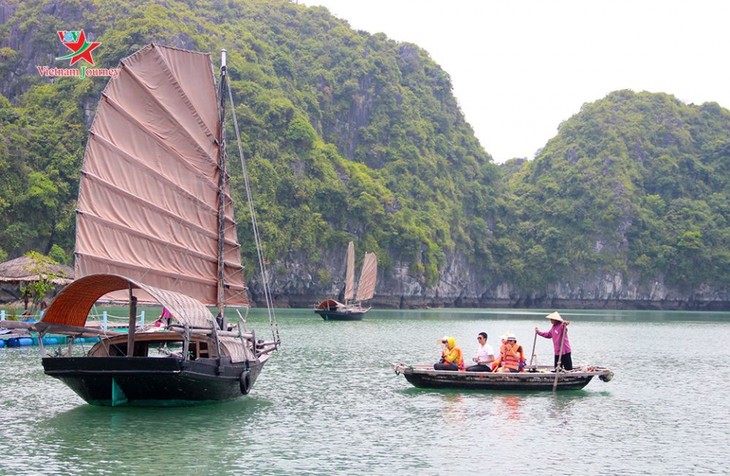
x,y
452,357
485,355
511,356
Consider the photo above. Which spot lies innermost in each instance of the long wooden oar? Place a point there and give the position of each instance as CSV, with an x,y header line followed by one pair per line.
x,y
533,349
560,357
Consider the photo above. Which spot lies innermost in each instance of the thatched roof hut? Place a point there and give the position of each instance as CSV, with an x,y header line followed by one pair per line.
x,y
25,269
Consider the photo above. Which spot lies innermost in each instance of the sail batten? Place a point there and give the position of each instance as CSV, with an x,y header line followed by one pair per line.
x,y
177,85
140,271
195,158
184,194
157,80
185,78
117,195
103,224
187,265
149,194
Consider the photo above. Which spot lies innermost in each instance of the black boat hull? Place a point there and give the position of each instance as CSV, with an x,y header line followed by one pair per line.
x,y
340,316
152,381
423,377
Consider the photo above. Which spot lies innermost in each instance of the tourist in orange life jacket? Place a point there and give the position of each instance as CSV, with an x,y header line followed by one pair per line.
x,y
521,351
511,356
452,357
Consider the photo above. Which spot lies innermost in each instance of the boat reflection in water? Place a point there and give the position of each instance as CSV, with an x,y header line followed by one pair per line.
x,y
510,406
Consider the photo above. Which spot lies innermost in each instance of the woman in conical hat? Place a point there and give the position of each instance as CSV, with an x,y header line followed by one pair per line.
x,y
559,333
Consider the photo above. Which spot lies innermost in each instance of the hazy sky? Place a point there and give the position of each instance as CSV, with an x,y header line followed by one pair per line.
x,y
521,67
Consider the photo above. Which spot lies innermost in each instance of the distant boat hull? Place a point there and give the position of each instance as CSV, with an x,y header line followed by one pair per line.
x,y
424,376
331,310
341,315
152,381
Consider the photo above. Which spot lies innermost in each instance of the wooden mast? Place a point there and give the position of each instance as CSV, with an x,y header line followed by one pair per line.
x,y
132,322
222,171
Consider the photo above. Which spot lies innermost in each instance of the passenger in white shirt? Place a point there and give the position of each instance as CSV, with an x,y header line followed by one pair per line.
x,y
485,355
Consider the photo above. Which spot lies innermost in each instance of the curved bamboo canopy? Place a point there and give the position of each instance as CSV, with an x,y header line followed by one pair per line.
x,y
72,305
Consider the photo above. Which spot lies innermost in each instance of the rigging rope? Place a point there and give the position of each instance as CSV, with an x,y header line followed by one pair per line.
x,y
254,226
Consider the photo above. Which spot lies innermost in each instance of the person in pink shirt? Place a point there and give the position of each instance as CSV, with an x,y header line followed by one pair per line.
x,y
556,333
164,319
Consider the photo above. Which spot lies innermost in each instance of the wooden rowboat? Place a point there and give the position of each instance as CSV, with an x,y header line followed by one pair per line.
x,y
537,378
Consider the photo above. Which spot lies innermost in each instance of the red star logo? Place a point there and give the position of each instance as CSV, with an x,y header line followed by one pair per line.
x,y
76,42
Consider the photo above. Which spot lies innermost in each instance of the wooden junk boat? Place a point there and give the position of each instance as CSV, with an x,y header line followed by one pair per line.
x,y
352,310
155,224
537,378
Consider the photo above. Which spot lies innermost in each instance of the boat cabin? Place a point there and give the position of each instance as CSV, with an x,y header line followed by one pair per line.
x,y
160,344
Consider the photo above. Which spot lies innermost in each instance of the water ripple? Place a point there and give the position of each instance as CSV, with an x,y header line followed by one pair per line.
x,y
328,403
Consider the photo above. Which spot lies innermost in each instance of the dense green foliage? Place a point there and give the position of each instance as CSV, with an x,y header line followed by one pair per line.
x,y
351,135
347,134
634,183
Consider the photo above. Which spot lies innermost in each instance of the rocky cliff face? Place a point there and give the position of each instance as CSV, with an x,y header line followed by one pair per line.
x,y
461,286
25,48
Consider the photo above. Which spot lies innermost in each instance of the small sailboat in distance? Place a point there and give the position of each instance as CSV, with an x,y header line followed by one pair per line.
x,y
352,309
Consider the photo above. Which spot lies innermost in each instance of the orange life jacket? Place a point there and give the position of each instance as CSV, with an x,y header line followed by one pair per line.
x,y
510,357
523,362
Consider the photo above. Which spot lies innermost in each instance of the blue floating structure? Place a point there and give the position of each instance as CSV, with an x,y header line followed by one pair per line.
x,y
19,342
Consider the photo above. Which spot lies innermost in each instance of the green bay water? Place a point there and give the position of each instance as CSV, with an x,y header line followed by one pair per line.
x,y
329,403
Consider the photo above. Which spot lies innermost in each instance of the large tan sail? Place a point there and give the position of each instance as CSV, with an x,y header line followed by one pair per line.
x,y
147,207
368,275
350,272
